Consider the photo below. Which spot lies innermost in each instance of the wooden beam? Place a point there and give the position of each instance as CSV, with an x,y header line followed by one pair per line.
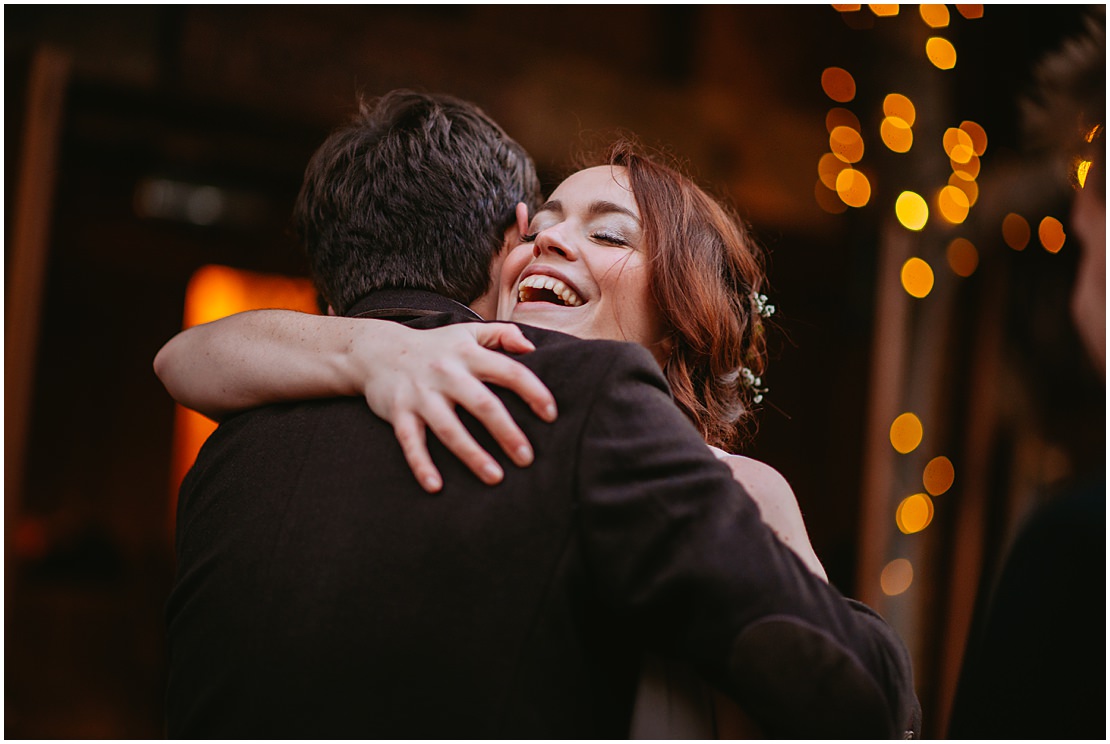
x,y
29,252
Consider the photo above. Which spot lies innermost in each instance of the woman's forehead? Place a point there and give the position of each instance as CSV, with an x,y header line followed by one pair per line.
x,y
602,182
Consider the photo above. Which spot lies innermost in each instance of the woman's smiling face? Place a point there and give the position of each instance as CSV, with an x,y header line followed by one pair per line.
x,y
582,269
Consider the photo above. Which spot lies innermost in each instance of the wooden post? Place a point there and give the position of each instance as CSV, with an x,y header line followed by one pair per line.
x,y
29,251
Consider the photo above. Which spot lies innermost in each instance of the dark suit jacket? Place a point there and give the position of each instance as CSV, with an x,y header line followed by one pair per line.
x,y
321,593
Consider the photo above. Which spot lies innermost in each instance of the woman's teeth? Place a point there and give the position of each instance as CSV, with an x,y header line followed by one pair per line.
x,y
531,286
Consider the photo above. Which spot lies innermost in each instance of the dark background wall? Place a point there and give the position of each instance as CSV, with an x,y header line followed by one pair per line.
x,y
239,97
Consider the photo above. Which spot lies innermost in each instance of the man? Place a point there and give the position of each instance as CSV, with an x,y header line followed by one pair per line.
x,y
1035,666
322,593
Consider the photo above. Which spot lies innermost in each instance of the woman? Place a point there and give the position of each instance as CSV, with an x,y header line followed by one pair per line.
x,y
630,250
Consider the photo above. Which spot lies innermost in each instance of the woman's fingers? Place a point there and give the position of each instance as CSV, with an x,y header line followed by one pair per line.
x,y
409,431
501,336
445,424
508,373
491,413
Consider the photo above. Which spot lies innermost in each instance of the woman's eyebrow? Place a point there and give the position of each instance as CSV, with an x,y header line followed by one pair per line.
x,y
553,205
607,207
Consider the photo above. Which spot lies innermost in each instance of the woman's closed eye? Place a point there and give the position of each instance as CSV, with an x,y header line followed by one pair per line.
x,y
605,236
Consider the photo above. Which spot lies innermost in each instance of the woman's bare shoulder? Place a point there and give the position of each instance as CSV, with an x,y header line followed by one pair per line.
x,y
755,474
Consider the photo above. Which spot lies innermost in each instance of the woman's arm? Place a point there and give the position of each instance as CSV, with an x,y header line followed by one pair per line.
x,y
411,378
778,506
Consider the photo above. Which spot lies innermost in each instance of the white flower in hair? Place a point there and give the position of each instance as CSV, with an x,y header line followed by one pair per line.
x,y
754,383
761,305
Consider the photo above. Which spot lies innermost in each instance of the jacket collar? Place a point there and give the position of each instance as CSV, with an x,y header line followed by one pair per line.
x,y
406,304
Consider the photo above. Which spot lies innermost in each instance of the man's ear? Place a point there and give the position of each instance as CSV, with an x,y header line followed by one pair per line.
x,y
522,218
331,311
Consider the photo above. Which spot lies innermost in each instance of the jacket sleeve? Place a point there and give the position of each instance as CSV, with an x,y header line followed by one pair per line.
x,y
678,550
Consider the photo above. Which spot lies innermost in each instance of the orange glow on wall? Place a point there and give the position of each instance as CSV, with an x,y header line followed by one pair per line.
x,y
215,292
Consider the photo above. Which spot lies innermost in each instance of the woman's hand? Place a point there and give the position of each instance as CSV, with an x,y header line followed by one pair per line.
x,y
412,378
424,374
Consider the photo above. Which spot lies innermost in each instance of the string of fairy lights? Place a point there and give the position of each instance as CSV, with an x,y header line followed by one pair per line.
x,y
843,184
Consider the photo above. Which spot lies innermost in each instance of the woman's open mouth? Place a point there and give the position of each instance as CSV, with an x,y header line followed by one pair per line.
x,y
541,288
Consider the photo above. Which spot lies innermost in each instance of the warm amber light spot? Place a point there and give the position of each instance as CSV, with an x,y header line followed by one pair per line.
x,y
884,11
969,169
1090,136
828,168
896,104
215,292
841,117
963,258
971,12
957,143
1081,172
977,134
1051,233
914,513
828,199
896,134
935,16
853,187
966,185
846,8
953,204
847,144
911,210
896,577
1015,231
917,278
939,476
838,84
906,433
941,53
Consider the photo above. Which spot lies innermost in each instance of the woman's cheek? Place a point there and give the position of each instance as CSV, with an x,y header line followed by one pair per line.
x,y
511,267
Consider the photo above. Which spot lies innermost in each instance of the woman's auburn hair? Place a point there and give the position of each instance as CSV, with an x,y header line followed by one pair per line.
x,y
705,272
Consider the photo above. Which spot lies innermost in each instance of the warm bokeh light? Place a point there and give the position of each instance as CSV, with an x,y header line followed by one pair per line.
x,y
912,211
969,169
914,513
896,577
838,84
841,117
1051,234
978,136
828,199
847,144
1092,133
939,475
1081,170
953,204
828,168
967,185
906,433
935,16
963,257
941,53
896,134
853,187
884,11
847,8
917,278
1015,231
215,292
896,104
971,12
957,143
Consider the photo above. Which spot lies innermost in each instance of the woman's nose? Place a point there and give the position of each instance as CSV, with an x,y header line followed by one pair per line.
x,y
552,241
